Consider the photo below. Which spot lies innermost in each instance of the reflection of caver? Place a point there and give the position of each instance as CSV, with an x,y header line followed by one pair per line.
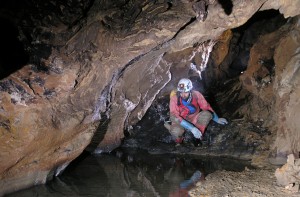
x,y
186,185
189,110
177,173
191,181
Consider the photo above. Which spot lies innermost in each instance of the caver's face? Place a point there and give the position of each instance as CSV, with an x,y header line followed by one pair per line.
x,y
184,95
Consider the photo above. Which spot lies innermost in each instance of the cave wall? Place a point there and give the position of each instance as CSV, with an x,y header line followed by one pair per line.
x,y
89,60
287,89
272,81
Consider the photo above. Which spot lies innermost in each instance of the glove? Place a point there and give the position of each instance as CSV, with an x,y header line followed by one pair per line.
x,y
196,176
187,125
218,120
197,134
222,121
185,184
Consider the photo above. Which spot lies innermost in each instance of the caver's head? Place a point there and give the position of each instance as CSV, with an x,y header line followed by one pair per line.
x,y
184,87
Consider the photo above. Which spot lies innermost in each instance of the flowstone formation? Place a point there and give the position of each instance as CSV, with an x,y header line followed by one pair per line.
x,y
91,69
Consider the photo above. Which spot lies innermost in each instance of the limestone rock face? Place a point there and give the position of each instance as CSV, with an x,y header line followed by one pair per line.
x,y
288,175
216,23
288,8
92,61
272,77
288,92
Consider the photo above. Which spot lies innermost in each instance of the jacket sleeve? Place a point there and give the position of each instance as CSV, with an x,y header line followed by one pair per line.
x,y
203,104
174,109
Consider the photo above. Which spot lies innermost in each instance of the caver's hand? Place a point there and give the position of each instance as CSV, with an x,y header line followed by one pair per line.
x,y
218,120
190,127
222,121
197,133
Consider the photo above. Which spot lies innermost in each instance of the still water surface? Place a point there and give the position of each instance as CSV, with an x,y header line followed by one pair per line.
x,y
131,174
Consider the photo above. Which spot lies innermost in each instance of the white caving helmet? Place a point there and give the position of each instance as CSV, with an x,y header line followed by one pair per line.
x,y
184,85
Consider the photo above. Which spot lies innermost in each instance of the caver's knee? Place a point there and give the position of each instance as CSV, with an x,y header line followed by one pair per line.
x,y
176,131
204,118
174,120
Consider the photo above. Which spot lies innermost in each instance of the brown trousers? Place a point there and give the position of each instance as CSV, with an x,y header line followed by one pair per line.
x,y
177,131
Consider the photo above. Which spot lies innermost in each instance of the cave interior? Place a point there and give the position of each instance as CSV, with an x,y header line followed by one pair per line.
x,y
95,76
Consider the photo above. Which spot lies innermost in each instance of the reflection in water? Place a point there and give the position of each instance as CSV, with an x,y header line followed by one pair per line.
x,y
186,185
132,174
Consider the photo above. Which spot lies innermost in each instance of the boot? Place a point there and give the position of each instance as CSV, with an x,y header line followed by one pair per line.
x,y
197,142
178,141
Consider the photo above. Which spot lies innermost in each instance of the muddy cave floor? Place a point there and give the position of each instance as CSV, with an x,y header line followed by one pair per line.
x,y
247,141
254,182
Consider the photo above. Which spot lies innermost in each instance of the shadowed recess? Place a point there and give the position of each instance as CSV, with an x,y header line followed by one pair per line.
x,y
12,53
99,134
226,5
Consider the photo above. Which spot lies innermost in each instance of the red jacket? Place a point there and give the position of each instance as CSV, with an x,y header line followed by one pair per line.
x,y
181,111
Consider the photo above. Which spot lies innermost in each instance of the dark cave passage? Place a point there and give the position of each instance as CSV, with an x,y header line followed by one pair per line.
x,y
245,37
13,55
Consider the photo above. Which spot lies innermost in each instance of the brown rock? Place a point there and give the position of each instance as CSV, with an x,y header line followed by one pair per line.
x,y
288,175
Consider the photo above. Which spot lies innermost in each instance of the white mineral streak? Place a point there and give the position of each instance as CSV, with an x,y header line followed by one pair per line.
x,y
61,168
104,100
194,68
192,55
205,50
129,106
100,105
17,98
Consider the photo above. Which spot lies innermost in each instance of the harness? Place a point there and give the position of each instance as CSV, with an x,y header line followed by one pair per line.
x,y
187,103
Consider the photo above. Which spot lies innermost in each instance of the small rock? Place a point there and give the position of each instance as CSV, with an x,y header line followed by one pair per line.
x,y
292,187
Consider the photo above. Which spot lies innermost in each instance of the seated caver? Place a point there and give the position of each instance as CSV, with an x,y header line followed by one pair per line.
x,y
189,111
